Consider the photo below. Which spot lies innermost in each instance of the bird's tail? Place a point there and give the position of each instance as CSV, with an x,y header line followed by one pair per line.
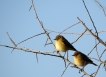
x,y
94,64
74,49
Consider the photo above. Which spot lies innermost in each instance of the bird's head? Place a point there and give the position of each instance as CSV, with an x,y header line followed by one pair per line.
x,y
76,53
58,37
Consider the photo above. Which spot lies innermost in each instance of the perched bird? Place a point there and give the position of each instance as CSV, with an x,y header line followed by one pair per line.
x,y
81,59
62,44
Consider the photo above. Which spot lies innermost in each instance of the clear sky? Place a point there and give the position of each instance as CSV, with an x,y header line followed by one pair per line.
x,y
56,15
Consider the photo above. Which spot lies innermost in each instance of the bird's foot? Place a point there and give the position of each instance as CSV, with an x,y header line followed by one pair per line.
x,y
74,66
57,51
81,70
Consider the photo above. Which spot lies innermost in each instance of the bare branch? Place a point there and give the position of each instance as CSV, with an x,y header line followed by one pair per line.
x,y
90,18
37,57
46,42
102,62
65,70
94,59
30,38
93,48
79,36
41,24
73,33
30,50
97,70
39,52
92,33
97,50
47,32
69,27
11,40
102,53
101,7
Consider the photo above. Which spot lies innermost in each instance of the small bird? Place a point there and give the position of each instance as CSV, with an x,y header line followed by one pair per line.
x,y
62,44
81,59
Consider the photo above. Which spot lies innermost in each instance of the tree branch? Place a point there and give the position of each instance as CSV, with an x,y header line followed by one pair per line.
x,y
101,7
39,52
90,18
91,32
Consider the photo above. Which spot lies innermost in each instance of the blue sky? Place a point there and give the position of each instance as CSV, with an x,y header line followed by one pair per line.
x,y
56,15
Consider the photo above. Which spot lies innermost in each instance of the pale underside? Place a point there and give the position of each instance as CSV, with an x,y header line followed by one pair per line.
x,y
79,61
60,46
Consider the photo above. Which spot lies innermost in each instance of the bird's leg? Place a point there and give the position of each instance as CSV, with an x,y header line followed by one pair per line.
x,y
67,55
75,66
64,54
57,51
82,67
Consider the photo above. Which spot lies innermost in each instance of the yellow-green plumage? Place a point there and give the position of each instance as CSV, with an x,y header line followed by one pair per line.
x,y
81,59
62,44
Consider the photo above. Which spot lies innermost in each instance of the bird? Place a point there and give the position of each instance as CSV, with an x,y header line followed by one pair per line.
x,y
62,44
80,59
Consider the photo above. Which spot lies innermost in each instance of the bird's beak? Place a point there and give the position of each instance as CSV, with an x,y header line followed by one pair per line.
x,y
54,39
73,55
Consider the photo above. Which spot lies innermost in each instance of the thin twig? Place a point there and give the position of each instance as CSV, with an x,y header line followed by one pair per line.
x,y
102,62
79,36
92,74
94,59
102,53
23,40
11,40
90,18
64,62
37,57
65,70
69,27
101,7
72,33
30,38
41,24
93,48
97,50
97,70
46,42
92,33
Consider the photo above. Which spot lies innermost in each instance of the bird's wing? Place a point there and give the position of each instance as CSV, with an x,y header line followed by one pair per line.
x,y
68,44
86,58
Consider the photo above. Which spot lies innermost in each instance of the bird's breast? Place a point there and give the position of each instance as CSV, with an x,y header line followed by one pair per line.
x,y
60,46
78,61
